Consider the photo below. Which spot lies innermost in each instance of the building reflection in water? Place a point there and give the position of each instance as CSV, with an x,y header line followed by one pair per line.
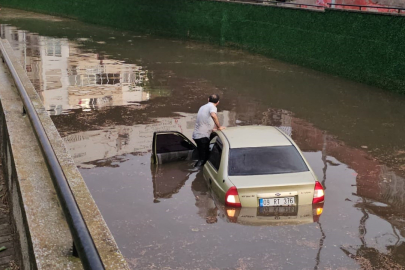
x,y
91,148
68,78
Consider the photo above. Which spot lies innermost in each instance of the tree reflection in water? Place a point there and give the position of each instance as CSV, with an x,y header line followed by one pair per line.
x,y
370,257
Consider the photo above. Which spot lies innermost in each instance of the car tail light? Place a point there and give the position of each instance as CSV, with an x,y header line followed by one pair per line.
x,y
319,194
232,197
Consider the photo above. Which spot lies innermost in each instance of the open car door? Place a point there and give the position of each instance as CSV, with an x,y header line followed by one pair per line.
x,y
169,146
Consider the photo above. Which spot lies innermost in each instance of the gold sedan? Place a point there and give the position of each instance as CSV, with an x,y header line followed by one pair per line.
x,y
249,166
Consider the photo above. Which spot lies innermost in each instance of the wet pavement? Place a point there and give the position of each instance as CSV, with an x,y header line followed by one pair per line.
x,y
108,91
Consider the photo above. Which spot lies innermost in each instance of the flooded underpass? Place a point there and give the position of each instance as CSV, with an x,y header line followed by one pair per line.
x,y
108,91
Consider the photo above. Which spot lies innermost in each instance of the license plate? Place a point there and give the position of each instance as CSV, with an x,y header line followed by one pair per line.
x,y
283,201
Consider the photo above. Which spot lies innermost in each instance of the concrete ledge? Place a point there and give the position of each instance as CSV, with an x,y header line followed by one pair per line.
x,y
44,235
41,223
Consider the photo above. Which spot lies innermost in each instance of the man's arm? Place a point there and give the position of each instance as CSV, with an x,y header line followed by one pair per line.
x,y
216,121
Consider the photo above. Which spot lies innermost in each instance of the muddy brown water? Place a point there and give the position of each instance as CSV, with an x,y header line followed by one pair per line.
x,y
108,91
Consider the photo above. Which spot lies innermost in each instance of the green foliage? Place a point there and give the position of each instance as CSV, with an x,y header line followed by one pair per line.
x,y
365,47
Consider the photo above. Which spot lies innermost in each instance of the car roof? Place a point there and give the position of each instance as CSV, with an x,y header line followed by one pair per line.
x,y
255,136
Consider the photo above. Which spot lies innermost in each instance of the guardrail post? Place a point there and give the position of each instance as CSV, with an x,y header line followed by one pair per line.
x,y
74,251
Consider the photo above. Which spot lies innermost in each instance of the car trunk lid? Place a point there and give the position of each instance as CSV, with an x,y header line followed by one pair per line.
x,y
252,188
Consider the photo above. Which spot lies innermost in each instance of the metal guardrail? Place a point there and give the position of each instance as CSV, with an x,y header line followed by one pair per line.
x,y
83,242
365,6
300,5
280,3
311,6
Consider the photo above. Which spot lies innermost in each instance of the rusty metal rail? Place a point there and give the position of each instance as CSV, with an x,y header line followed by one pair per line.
x,y
333,5
300,5
279,3
283,3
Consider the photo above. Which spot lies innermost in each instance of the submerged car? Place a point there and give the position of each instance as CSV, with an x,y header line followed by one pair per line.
x,y
169,179
249,166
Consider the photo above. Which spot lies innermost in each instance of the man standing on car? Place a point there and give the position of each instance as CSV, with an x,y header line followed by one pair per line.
x,y
207,119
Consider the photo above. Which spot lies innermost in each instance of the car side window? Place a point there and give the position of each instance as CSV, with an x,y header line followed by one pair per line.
x,y
215,155
213,139
167,143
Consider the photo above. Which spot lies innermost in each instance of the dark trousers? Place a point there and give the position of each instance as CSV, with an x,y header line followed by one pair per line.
x,y
203,146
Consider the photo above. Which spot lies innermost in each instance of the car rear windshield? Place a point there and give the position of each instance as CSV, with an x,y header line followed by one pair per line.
x,y
265,160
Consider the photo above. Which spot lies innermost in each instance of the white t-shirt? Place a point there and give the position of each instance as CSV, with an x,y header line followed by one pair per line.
x,y
204,123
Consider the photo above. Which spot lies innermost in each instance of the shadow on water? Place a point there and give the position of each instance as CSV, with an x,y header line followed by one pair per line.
x,y
108,91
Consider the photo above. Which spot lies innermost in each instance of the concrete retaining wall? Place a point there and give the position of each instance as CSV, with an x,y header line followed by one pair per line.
x,y
365,47
45,237
10,112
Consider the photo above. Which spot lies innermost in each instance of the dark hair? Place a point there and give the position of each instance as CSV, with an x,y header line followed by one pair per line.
x,y
214,98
